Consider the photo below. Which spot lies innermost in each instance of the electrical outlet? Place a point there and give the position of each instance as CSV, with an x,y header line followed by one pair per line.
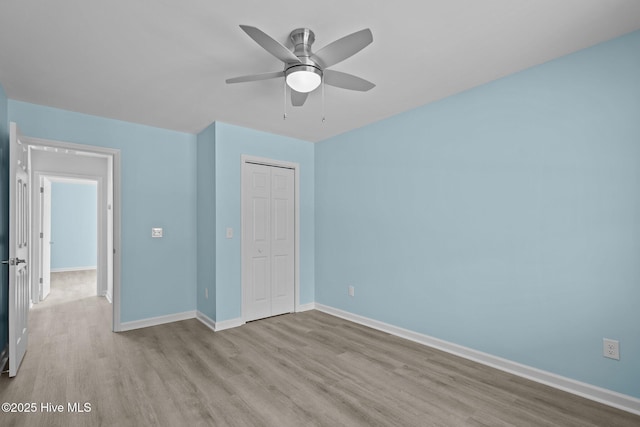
x,y
611,348
352,291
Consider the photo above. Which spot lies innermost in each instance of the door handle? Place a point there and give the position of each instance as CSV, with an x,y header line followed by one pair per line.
x,y
14,261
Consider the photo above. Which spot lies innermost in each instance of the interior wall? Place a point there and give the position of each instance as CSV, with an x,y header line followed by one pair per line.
x,y
158,190
231,142
505,218
4,219
74,226
206,212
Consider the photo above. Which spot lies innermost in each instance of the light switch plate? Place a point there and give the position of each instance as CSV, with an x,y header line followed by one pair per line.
x,y
156,232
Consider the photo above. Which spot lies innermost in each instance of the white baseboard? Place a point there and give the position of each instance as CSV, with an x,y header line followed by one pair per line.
x,y
228,324
107,295
598,394
306,307
68,269
218,326
153,321
206,320
234,323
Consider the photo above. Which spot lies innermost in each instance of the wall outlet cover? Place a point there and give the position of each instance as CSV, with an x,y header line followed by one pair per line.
x,y
611,348
156,232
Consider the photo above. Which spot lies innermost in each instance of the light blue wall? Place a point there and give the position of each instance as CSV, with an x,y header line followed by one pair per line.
x,y
505,219
231,142
74,225
158,190
206,212
4,219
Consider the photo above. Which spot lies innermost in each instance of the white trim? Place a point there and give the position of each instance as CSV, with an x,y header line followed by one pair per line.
x,y
206,320
296,266
117,228
598,394
108,297
218,326
228,324
70,269
159,320
306,307
246,158
4,357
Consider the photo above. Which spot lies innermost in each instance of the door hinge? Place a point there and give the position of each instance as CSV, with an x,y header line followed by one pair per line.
x,y
42,189
41,280
41,234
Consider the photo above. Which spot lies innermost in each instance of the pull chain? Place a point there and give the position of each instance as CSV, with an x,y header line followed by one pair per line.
x,y
323,99
284,104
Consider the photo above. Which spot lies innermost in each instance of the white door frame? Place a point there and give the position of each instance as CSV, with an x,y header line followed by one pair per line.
x,y
102,285
42,212
114,187
245,158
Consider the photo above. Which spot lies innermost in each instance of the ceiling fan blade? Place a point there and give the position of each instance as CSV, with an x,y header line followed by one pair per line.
x,y
256,77
343,48
270,45
298,98
346,81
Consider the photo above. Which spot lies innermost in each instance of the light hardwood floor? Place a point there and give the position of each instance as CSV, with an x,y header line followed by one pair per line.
x,y
293,370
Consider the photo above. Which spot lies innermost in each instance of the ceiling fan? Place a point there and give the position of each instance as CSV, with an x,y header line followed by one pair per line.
x,y
304,70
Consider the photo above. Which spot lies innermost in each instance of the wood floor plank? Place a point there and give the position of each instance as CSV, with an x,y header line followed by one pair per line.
x,y
308,369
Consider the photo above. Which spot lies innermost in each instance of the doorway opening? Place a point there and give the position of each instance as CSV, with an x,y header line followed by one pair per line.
x,y
67,218
90,265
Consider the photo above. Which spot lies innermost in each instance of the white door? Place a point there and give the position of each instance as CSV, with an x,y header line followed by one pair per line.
x,y
18,251
268,241
45,237
282,240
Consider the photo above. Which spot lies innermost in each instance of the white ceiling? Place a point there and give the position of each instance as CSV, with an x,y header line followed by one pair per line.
x,y
164,62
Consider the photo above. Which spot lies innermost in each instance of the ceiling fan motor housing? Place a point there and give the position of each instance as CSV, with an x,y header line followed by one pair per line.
x,y
302,39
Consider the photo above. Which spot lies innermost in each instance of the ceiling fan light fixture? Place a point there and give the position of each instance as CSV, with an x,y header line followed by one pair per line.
x,y
303,78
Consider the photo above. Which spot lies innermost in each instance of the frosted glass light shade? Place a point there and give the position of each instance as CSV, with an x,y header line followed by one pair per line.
x,y
303,80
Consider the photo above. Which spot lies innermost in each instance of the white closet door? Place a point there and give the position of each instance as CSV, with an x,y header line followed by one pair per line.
x,y
282,240
268,241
